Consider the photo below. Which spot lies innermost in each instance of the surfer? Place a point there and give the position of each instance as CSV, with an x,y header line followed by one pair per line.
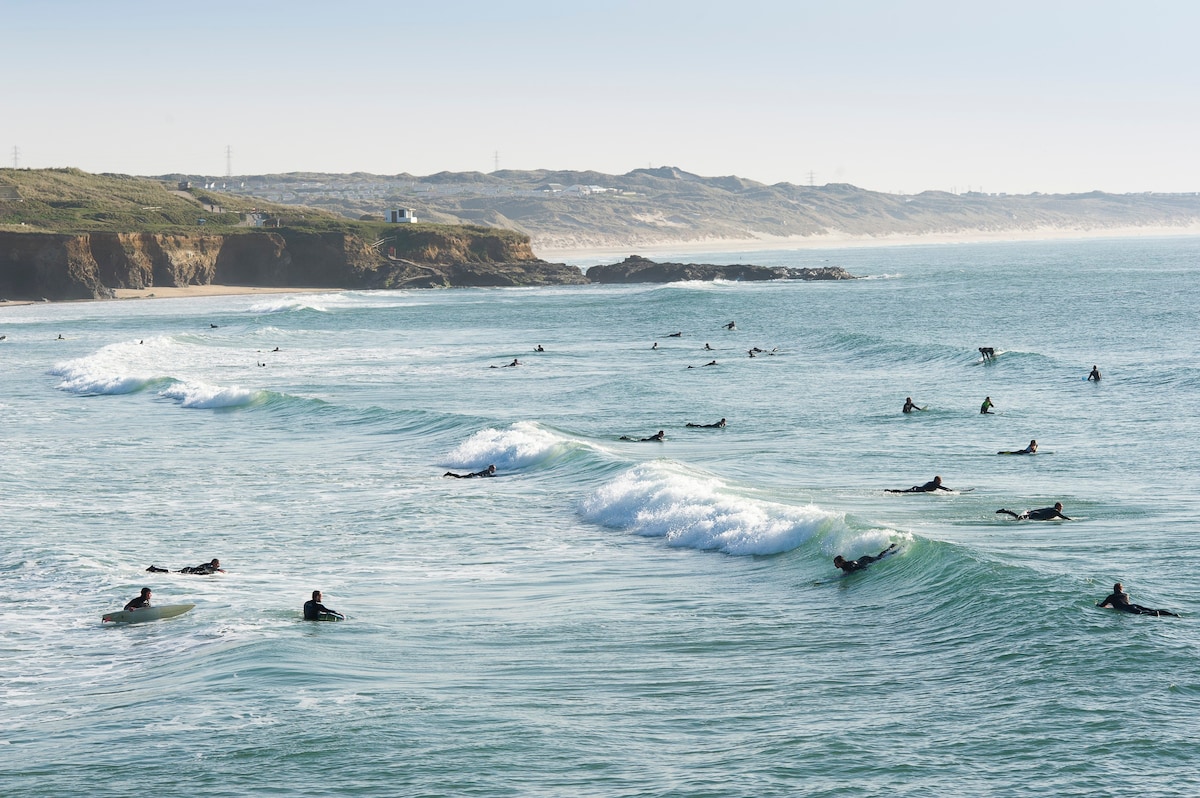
x,y
142,601
1095,375
659,436
313,608
909,405
929,487
655,345
676,334
538,348
987,352
60,338
514,363
490,471
720,423
986,407
707,348
204,569
1119,600
1030,449
730,326
711,363
1040,514
850,566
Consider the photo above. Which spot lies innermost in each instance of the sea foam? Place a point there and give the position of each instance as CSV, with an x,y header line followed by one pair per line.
x,y
522,445
653,500
209,397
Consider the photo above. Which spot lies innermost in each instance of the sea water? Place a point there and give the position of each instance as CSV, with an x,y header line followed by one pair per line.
x,y
610,617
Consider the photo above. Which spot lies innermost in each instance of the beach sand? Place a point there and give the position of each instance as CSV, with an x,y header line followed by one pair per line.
x,y
652,249
172,292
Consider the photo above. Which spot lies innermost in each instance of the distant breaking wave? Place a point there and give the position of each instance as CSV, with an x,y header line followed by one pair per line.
x,y
522,445
210,397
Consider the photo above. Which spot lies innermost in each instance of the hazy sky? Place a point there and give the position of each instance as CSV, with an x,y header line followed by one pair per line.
x,y
893,96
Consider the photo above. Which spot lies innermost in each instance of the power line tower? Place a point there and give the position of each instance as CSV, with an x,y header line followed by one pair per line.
x,y
16,158
228,161
812,176
496,161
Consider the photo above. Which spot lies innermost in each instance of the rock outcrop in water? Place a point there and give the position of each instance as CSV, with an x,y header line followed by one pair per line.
x,y
636,269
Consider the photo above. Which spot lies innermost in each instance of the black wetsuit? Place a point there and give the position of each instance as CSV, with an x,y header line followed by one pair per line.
x,y
206,569
1120,601
928,487
850,566
484,473
138,603
314,608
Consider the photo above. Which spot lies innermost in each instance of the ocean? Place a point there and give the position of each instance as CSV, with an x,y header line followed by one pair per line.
x,y
609,617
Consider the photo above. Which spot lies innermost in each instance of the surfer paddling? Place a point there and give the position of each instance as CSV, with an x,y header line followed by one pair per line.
x,y
141,602
314,609
213,566
932,485
1040,514
1119,600
659,436
986,408
910,405
1030,449
490,471
715,424
850,566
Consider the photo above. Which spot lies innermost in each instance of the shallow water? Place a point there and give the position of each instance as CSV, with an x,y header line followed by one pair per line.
x,y
608,617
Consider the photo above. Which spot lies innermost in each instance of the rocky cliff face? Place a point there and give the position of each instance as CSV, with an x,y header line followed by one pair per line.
x,y
89,266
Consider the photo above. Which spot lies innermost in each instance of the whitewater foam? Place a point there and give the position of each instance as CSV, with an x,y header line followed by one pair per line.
x,y
522,445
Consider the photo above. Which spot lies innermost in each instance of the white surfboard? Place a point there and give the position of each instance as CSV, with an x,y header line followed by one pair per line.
x,y
147,613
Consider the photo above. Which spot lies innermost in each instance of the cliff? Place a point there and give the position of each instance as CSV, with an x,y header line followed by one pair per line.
x,y
636,269
89,265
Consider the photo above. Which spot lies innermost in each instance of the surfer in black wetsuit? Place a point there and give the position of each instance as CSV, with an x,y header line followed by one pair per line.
x,y
1030,449
1095,375
910,405
929,487
675,334
204,569
1040,514
313,608
659,436
850,566
490,471
1119,600
720,423
730,326
141,601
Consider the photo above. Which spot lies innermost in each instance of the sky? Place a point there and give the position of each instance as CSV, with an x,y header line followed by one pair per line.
x,y
1054,96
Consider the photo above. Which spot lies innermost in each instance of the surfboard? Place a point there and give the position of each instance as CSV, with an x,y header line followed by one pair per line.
x,y
329,616
1018,451
147,614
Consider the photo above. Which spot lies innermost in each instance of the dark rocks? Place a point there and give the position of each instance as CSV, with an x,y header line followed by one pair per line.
x,y
636,269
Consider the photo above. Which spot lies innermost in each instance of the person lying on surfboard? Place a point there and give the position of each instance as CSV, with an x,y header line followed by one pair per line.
x,y
1040,514
928,487
490,471
1030,449
204,569
143,600
850,566
313,608
714,425
1119,600
910,406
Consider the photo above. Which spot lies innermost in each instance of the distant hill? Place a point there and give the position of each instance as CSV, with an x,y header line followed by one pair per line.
x,y
668,205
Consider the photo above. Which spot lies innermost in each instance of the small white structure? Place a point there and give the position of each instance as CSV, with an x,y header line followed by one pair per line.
x,y
402,216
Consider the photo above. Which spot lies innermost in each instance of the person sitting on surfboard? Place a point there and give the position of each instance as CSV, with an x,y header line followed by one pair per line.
x,y
720,423
850,566
313,608
1040,514
490,471
1119,600
928,487
986,407
141,601
909,405
1095,375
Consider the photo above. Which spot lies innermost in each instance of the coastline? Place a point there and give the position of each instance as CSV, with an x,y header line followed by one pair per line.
x,y
175,292
590,253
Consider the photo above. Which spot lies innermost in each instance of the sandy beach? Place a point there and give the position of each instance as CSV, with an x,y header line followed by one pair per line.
x,y
172,292
584,253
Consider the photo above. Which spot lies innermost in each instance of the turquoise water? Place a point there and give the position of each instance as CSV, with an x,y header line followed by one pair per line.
x,y
612,618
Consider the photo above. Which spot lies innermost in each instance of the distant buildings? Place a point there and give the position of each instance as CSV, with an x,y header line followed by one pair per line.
x,y
402,216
